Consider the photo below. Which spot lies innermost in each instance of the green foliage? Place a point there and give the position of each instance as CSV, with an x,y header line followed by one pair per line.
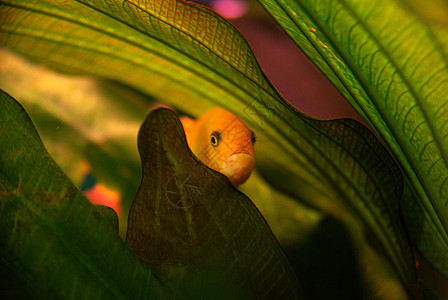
x,y
81,240
53,242
185,213
387,58
390,60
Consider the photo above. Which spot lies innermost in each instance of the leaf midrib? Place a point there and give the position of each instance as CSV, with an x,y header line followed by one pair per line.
x,y
416,96
323,57
442,231
383,226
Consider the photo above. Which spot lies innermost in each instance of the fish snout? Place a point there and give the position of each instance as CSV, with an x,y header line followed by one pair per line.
x,y
238,168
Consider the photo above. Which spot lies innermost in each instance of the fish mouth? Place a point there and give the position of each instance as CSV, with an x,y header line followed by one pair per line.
x,y
241,150
238,168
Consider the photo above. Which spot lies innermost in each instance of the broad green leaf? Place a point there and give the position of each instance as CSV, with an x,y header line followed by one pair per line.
x,y
186,213
390,60
53,242
191,58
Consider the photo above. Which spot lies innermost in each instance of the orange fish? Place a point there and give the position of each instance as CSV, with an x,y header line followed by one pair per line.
x,y
223,142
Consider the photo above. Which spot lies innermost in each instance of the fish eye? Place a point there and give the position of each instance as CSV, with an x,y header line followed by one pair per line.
x,y
253,139
214,138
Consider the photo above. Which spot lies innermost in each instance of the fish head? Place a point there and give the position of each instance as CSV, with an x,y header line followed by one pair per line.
x,y
224,143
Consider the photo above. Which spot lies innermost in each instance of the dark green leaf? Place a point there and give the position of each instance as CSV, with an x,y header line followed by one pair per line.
x,y
187,214
53,242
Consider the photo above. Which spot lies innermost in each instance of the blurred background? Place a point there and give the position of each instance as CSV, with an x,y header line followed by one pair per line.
x,y
293,75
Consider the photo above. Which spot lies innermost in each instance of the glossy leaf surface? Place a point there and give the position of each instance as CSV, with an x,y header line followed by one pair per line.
x,y
390,60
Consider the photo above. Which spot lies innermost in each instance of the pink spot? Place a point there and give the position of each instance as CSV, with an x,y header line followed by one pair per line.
x,y
230,9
